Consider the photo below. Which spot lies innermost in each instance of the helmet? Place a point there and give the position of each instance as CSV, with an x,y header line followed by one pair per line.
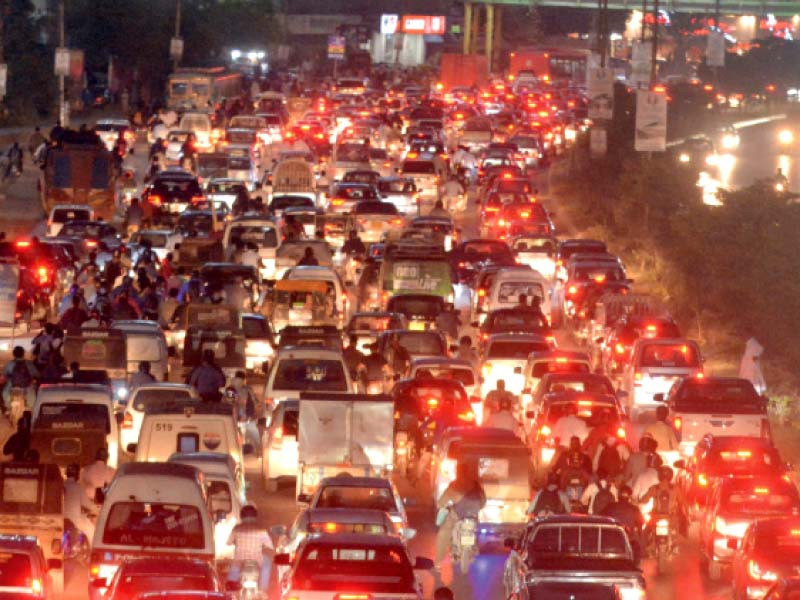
x,y
102,454
73,470
665,474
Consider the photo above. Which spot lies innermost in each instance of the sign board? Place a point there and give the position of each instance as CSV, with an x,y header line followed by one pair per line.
x,y
176,48
336,47
3,79
651,121
640,63
598,143
389,24
715,49
9,284
315,24
62,62
600,91
423,24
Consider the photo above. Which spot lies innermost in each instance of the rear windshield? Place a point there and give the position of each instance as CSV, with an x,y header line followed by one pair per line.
x,y
514,350
156,240
704,396
397,187
149,399
333,568
283,202
483,250
352,153
594,413
669,356
263,236
73,415
376,498
185,188
226,188
62,215
495,465
759,501
521,321
533,245
255,328
93,353
540,369
241,137
416,307
15,570
131,586
144,347
464,376
422,343
355,193
741,461
589,542
154,525
306,374
510,291
580,385
420,167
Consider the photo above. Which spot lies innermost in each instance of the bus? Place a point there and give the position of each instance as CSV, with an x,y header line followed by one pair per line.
x,y
550,64
202,88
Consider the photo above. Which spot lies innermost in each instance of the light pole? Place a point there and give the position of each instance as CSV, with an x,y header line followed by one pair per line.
x,y
63,112
176,57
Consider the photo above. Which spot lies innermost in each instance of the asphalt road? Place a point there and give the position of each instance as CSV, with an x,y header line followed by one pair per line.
x,y
21,215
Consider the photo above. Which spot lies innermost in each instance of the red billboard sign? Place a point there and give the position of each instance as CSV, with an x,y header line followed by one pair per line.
x,y
423,24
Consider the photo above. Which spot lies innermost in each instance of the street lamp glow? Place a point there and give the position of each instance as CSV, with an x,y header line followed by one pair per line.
x,y
236,54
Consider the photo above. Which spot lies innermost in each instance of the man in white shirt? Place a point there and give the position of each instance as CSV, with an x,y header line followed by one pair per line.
x,y
98,474
77,504
570,425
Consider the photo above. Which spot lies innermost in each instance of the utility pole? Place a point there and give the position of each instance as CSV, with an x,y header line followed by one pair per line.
x,y
602,30
642,27
176,59
654,42
63,111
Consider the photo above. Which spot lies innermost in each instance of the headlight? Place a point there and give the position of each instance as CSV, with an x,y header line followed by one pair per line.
x,y
684,157
711,160
785,136
730,141
122,392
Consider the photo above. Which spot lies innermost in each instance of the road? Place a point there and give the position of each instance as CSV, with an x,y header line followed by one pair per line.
x,y
21,216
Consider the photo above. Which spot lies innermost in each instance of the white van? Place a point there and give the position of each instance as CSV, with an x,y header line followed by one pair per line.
x,y
145,397
94,400
145,341
508,285
259,231
150,510
200,427
342,302
200,125
61,213
306,369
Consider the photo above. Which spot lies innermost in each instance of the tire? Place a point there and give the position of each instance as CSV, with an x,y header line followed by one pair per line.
x,y
465,561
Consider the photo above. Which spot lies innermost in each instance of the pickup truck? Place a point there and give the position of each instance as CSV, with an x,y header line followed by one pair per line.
x,y
715,405
572,555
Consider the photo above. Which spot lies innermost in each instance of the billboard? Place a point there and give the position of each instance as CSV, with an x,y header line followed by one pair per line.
x,y
600,92
651,121
336,47
423,24
389,24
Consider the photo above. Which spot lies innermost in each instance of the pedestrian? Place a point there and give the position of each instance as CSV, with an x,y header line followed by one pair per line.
x,y
134,217
208,378
14,156
75,316
750,366
36,140
98,474
18,444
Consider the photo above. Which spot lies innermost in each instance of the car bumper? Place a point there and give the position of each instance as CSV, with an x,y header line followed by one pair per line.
x,y
720,549
756,591
282,462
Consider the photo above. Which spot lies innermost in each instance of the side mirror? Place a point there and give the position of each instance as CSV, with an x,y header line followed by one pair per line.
x,y
423,564
54,564
131,448
304,498
283,559
409,533
658,397
248,449
99,583
732,543
679,464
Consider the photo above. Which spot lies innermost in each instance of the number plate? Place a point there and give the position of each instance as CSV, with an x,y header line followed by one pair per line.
x,y
662,529
468,540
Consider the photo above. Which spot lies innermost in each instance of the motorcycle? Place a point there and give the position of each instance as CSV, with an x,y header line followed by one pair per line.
x,y
464,548
574,491
75,544
248,581
662,541
18,399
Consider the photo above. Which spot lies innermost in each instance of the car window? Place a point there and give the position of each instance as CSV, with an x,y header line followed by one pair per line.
x,y
353,497
155,525
310,374
669,356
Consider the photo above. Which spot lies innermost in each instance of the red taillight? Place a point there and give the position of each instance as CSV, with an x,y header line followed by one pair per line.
x,y
572,290
91,243
23,245
621,434
278,435
619,348
702,480
198,199
492,209
637,376
352,597
155,200
127,421
43,274
467,416
94,570
545,430
337,202
678,421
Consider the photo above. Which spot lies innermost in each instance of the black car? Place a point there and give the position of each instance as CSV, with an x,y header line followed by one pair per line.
x,y
470,256
169,193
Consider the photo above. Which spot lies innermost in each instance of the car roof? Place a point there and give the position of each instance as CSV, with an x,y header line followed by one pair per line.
x,y
442,361
347,481
18,542
347,515
355,539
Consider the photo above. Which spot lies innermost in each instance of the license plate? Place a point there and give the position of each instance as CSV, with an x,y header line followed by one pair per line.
x,y
468,540
416,326
662,529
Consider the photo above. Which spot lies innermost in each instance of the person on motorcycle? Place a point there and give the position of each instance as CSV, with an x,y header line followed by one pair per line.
x,y
599,493
353,358
353,244
207,378
378,370
665,501
572,463
463,498
647,479
495,397
98,474
504,418
77,505
638,461
628,514
549,500
570,425
662,432
467,352
251,542
19,373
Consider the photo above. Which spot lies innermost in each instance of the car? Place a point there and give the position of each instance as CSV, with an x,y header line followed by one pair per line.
x,y
109,131
327,566
24,570
222,189
306,368
90,234
367,326
259,342
563,381
514,320
344,196
375,219
504,355
160,241
567,248
449,368
769,551
279,444
733,505
470,256
400,191
169,193
145,396
785,589
718,457
627,329
139,576
62,213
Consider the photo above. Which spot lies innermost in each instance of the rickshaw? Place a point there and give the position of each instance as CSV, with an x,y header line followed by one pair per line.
x,y
228,346
299,302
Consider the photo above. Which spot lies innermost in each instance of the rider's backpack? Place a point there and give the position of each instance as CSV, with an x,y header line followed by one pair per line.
x,y
20,375
610,461
549,502
601,500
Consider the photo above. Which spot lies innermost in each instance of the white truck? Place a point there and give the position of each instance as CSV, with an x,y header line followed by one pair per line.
x,y
343,433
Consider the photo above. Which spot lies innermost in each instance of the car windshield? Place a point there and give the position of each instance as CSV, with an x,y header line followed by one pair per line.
x,y
542,245
356,497
735,396
95,353
484,250
332,568
145,399
283,202
517,321
352,153
422,342
375,208
263,236
514,349
241,137
669,356
226,188
15,570
352,192
310,374
63,215
154,525
374,324
130,586
78,229
398,186
579,385
594,413
144,347
255,328
495,464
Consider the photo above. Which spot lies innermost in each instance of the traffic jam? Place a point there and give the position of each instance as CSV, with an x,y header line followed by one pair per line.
x,y
338,345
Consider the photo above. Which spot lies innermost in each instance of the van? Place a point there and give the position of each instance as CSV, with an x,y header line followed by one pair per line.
x,y
342,302
102,350
426,177
540,364
75,406
507,286
144,398
258,231
200,125
200,427
306,369
295,177
151,510
145,341
349,156
61,213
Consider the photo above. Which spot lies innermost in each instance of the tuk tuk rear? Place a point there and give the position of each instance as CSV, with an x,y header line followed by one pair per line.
x,y
66,435
32,503
228,346
104,350
201,315
299,302
194,252
343,433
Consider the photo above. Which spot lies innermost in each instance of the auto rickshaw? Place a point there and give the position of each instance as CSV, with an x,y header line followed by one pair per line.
x,y
299,302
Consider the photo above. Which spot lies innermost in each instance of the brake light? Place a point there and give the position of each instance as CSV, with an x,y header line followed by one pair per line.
x,y
492,209
621,434
545,430
619,348
486,369
433,402
155,200
467,416
127,420
36,586
481,292
637,376
551,339
757,573
599,278
91,243
524,214
561,360
572,290
23,244
43,274
352,597
337,202
330,527
678,421
761,491
702,480
196,199
94,570
278,435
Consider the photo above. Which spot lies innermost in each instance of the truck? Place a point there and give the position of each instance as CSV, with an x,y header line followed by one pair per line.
x,y
80,171
551,64
343,433
294,177
463,70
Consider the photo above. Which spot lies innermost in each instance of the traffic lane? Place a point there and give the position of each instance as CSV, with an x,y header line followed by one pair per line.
x,y
760,154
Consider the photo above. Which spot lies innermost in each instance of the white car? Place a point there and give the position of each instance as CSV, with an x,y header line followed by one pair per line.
x,y
279,444
109,129
175,141
504,358
306,369
141,399
61,213
536,252
162,242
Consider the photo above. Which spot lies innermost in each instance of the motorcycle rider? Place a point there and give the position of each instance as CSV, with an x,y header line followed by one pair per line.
x,y
353,358
438,210
549,500
573,462
208,378
251,542
494,398
503,418
98,474
665,502
646,480
599,493
628,514
77,505
463,498
353,244
662,432
570,425
466,351
638,461
19,373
